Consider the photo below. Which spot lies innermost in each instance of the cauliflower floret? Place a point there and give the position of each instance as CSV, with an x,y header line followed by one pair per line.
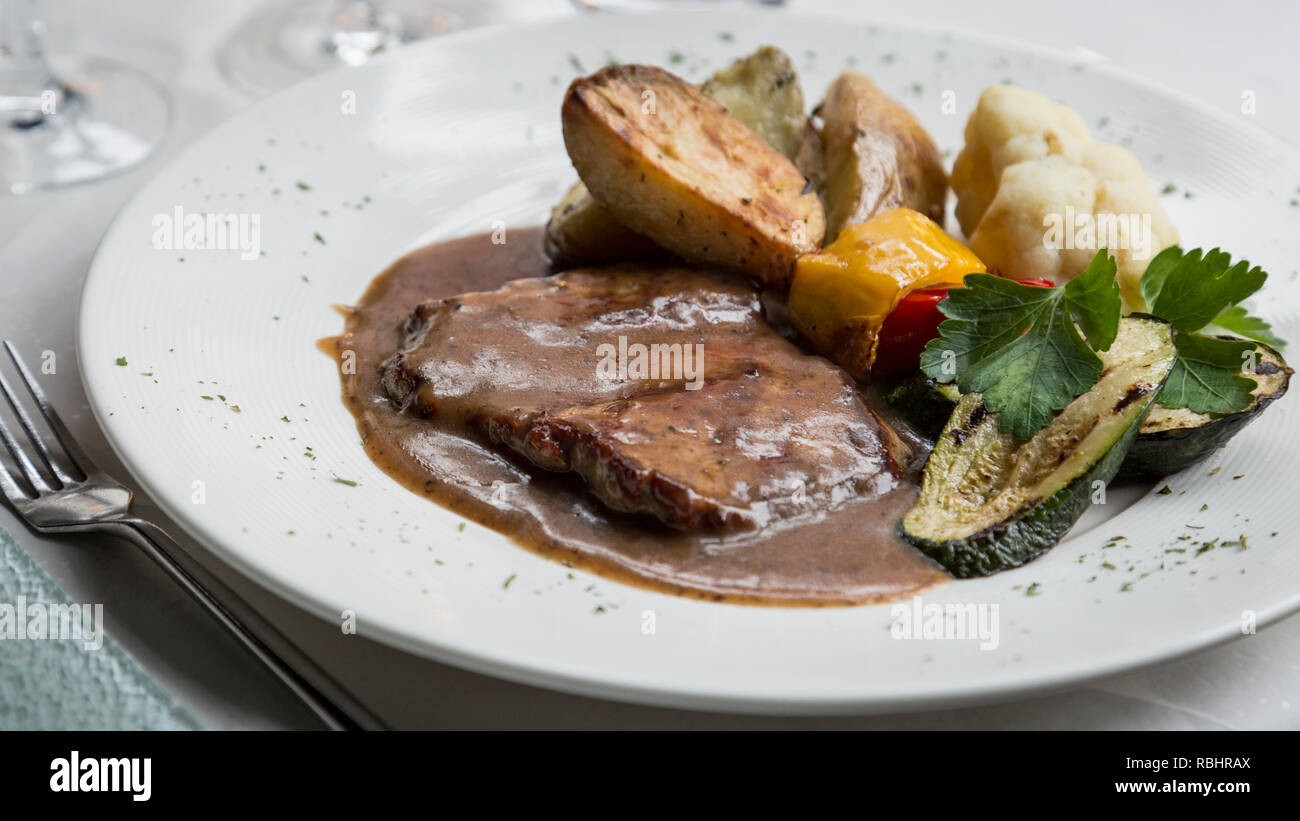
x,y
1037,196
1122,189
1010,235
1010,125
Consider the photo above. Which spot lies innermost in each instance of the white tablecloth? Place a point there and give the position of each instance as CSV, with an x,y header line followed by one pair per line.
x,y
1204,48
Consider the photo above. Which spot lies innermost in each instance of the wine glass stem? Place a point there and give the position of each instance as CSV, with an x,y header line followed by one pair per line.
x,y
27,85
355,30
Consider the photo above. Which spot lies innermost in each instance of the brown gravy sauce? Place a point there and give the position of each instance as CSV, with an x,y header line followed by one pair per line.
x,y
850,555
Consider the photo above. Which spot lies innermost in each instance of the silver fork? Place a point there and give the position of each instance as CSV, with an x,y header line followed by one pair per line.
x,y
61,501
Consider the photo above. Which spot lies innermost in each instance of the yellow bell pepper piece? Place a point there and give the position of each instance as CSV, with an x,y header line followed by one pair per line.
x,y
841,295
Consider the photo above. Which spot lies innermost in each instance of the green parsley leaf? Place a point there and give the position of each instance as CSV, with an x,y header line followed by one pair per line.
x,y
1206,377
1239,321
1018,345
1093,300
1189,290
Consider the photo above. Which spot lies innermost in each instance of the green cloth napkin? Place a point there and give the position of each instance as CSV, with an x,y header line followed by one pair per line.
x,y
68,683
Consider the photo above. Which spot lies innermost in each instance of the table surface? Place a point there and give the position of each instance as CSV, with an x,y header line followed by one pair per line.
x,y
47,241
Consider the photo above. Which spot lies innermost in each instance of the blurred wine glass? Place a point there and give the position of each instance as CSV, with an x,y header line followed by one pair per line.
x,y
288,40
86,120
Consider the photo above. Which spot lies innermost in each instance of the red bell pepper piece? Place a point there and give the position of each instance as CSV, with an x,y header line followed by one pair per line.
x,y
913,323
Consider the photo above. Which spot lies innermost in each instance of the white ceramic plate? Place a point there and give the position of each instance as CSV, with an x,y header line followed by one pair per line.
x,y
447,138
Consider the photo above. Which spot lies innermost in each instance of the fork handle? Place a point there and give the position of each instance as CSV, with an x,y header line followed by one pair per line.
x,y
316,688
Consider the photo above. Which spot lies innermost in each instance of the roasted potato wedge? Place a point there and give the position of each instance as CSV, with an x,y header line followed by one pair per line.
x,y
582,231
761,90
877,156
670,162
811,157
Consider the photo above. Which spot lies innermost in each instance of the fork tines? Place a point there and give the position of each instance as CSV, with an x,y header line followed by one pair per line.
x,y
56,476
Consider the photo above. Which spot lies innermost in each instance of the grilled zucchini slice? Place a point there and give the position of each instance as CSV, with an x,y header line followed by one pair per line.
x,y
1169,440
1172,440
926,403
990,502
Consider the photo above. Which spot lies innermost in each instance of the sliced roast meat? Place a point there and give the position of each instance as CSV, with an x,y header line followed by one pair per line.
x,y
750,430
